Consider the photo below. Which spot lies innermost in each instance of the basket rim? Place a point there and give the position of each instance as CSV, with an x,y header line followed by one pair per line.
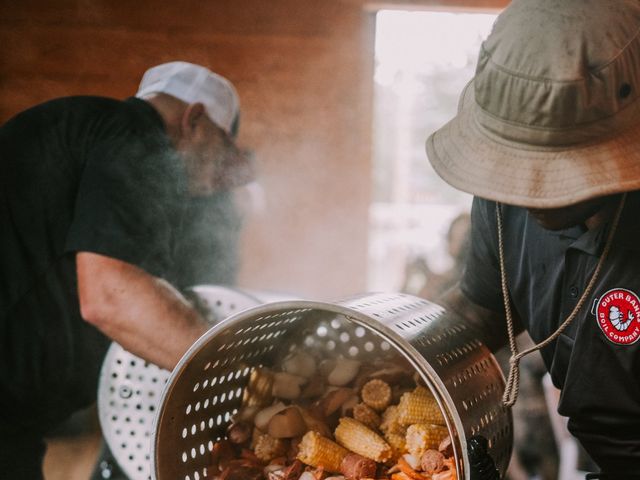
x,y
401,345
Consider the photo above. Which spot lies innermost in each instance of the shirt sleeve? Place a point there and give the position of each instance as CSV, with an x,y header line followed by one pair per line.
x,y
481,277
128,197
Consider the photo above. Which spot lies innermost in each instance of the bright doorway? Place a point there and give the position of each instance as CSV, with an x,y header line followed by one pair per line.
x,y
423,59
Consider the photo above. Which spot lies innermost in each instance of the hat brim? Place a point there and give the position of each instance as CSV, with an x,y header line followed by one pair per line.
x,y
473,160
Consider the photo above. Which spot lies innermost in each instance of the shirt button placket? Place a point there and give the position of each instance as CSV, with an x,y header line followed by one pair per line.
x,y
573,288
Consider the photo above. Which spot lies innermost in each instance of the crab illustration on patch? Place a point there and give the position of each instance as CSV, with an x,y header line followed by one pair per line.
x,y
618,316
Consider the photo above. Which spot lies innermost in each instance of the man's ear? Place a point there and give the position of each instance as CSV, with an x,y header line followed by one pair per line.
x,y
190,118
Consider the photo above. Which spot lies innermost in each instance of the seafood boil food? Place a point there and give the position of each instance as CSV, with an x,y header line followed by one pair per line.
x,y
335,419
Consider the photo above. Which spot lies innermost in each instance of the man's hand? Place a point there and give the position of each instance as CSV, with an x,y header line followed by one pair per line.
x,y
481,465
143,313
490,326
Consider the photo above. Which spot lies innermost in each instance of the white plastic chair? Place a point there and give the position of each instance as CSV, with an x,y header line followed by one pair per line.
x,y
567,444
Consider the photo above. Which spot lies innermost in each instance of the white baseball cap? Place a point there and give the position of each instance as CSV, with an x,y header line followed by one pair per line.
x,y
193,83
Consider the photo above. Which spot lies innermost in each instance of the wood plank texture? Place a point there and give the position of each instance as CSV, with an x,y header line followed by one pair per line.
x,y
303,69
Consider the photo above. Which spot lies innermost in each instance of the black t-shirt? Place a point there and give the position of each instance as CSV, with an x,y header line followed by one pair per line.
x,y
596,360
76,174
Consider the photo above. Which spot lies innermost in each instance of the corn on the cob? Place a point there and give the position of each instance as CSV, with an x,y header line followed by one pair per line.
x,y
360,439
419,406
319,451
376,394
421,437
366,415
267,447
390,423
397,443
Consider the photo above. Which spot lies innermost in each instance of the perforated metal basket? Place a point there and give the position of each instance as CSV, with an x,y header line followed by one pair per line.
x,y
207,386
130,389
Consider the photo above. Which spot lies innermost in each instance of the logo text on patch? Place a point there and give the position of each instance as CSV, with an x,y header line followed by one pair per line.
x,y
618,316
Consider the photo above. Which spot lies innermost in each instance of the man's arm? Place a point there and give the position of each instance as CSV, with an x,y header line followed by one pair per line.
x,y
143,313
491,326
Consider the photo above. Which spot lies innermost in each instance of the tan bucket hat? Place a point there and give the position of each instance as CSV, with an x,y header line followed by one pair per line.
x,y
552,116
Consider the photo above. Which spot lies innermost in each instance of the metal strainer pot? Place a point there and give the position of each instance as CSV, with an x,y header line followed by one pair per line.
x,y
129,389
206,388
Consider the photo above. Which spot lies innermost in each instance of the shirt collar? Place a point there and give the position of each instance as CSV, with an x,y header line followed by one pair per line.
x,y
626,236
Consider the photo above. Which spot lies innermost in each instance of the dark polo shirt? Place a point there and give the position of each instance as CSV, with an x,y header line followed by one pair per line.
x,y
596,360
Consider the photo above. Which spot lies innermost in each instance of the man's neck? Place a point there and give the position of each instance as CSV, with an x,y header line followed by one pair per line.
x,y
171,110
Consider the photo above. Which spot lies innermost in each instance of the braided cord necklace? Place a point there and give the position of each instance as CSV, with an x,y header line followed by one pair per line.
x,y
512,386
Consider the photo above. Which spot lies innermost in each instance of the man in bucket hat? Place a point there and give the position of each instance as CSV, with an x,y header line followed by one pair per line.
x,y
93,201
547,139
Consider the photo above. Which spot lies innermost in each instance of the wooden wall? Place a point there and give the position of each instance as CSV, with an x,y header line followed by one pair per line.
x,y
303,69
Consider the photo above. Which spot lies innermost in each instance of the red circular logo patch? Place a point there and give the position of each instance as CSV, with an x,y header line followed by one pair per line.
x,y
618,314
